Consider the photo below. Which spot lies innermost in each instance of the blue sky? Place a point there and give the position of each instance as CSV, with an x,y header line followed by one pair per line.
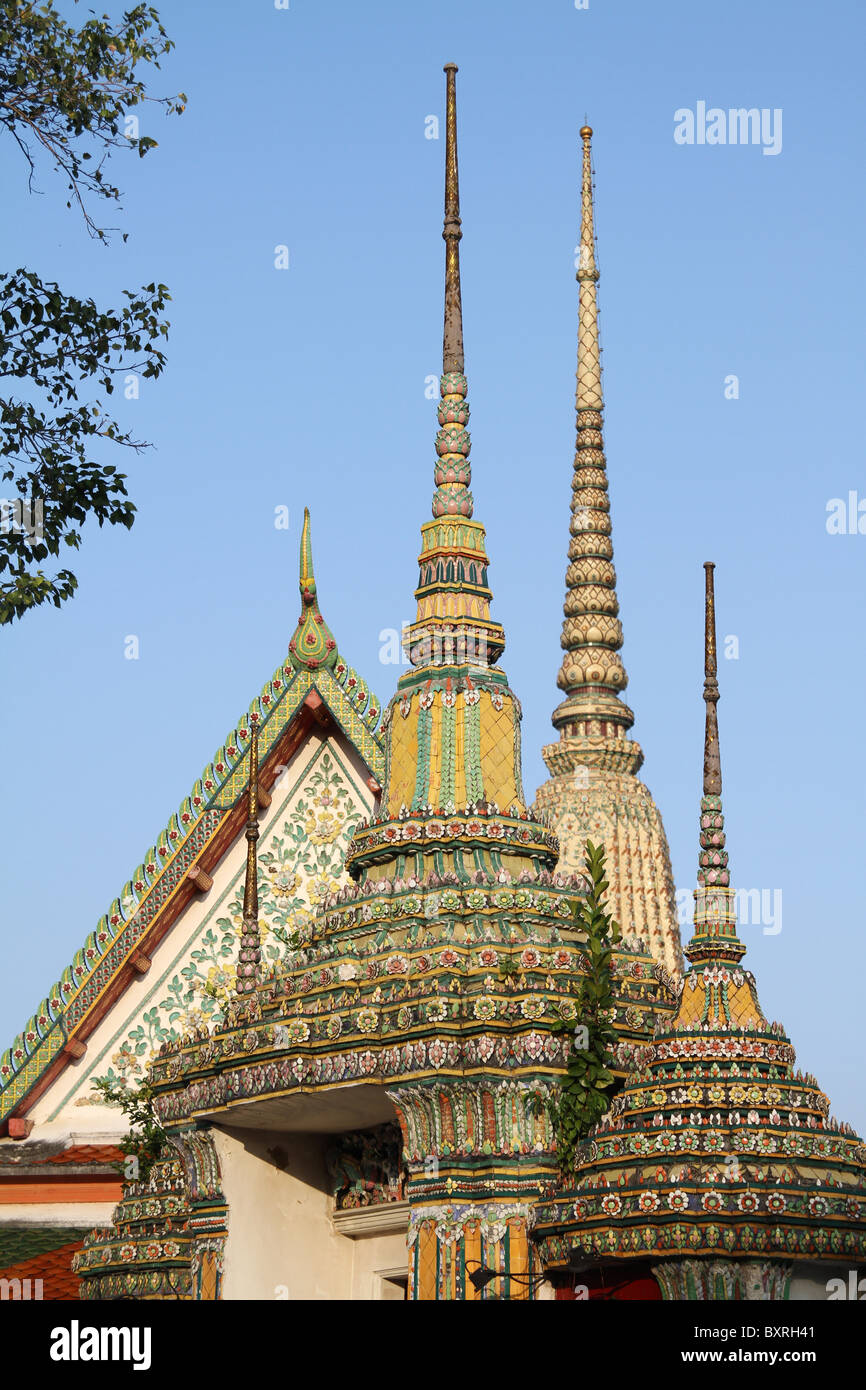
x,y
306,127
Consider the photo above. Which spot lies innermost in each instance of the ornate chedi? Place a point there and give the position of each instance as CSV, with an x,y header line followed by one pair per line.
x,y
717,1161
430,986
168,1234
594,790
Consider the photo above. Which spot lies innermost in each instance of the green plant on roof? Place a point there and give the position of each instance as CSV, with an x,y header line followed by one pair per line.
x,y
584,1093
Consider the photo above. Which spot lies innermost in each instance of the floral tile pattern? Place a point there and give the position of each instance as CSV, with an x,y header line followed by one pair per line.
x,y
300,862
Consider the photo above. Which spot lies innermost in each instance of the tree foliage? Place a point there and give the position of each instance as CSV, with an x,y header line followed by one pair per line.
x,y
67,92
65,96
146,1137
584,1092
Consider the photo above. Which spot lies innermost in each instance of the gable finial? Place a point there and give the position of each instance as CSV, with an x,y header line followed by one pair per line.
x,y
307,579
250,955
312,645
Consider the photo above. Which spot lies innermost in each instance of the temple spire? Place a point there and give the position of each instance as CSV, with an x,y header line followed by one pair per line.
x,y
453,626
592,720
715,937
250,954
592,791
452,340
453,470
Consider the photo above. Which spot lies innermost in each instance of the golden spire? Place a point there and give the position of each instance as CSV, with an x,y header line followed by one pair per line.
x,y
250,950
452,340
592,791
592,720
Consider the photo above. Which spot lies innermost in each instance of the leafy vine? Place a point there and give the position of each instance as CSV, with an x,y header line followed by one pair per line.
x,y
584,1093
143,1144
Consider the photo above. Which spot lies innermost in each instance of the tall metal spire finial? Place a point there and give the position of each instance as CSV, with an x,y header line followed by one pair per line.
x,y
712,757
453,625
453,472
250,954
452,340
715,937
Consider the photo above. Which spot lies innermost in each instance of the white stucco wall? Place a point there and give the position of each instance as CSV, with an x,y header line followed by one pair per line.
x,y
282,1244
83,1214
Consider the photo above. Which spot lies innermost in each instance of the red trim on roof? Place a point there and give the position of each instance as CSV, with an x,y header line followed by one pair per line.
x,y
73,1187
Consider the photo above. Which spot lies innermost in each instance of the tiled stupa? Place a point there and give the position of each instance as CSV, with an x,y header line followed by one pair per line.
x,y
718,1162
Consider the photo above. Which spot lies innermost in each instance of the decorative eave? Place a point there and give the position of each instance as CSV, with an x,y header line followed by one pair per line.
x,y
192,844
334,1023
468,832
